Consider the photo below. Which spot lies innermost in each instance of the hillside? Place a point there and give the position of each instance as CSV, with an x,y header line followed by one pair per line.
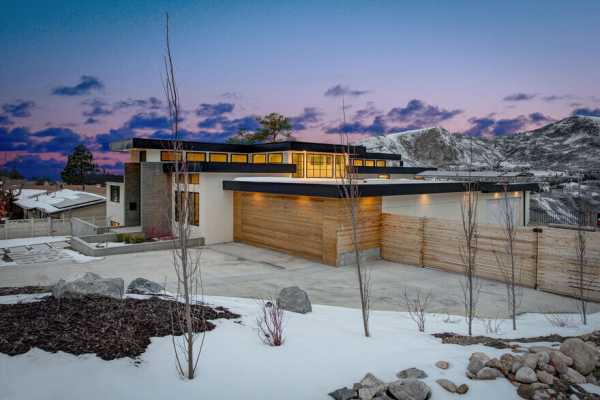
x,y
571,143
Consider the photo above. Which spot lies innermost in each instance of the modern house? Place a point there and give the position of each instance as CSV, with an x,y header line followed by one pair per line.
x,y
285,195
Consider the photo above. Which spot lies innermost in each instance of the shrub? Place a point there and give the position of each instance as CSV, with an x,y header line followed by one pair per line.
x,y
121,237
270,322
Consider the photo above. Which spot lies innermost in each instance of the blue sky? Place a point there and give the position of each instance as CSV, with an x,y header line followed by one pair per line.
x,y
89,72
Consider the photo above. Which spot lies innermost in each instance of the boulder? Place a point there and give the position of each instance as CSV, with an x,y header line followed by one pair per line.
x,y
442,364
370,380
412,373
526,374
477,362
584,355
531,360
462,389
488,373
574,377
144,286
545,377
343,394
89,284
409,389
369,392
446,384
294,299
560,361
541,349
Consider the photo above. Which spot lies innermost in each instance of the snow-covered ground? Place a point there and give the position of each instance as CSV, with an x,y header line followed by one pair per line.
x,y
31,241
108,244
324,350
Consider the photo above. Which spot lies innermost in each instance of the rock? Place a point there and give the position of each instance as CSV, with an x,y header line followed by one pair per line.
x,y
525,391
343,394
477,362
541,349
448,385
367,393
409,389
382,396
584,355
592,379
480,356
499,365
543,359
462,389
487,373
541,395
545,377
574,377
531,360
526,374
560,361
144,286
442,364
550,369
89,284
370,380
294,299
411,373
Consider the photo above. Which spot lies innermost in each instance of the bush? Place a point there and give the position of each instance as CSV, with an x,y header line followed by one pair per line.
x,y
136,239
121,237
270,322
131,238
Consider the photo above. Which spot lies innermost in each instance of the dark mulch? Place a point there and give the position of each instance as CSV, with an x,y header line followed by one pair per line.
x,y
107,327
8,291
454,338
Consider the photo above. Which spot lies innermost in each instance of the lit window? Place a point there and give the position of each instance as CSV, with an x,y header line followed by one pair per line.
x,y
298,160
357,163
259,158
275,158
115,194
369,163
195,209
319,166
194,179
181,178
217,157
384,176
195,156
170,156
380,163
239,158
340,166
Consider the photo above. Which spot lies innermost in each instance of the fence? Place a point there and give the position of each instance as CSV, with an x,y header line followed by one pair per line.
x,y
545,257
35,227
564,217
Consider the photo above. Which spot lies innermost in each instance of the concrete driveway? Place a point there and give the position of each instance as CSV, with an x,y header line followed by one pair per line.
x,y
239,270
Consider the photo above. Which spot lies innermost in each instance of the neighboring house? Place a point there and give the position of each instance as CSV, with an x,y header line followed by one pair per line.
x,y
64,203
285,195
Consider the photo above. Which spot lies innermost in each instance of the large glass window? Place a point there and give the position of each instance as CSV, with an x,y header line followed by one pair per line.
x,y
319,166
170,156
259,158
298,160
239,158
115,194
217,157
194,179
275,158
380,163
357,163
195,156
192,201
195,211
369,163
340,166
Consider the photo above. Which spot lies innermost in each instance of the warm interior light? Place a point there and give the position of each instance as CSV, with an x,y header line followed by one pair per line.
x,y
383,176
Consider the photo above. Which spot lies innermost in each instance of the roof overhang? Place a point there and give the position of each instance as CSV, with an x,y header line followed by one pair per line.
x,y
390,170
232,167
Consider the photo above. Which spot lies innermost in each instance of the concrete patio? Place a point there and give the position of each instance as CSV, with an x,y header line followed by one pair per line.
x,y
239,270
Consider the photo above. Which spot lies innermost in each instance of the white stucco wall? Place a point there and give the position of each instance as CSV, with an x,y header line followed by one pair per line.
x,y
115,211
447,205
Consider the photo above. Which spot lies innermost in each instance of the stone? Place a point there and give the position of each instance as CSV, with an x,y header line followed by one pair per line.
x,y
526,374
560,361
592,379
412,373
584,355
499,365
574,377
487,373
543,359
370,380
368,393
442,364
144,286
531,360
541,395
525,391
462,389
550,369
382,396
89,284
477,362
480,356
409,389
343,394
295,300
446,384
545,377
541,349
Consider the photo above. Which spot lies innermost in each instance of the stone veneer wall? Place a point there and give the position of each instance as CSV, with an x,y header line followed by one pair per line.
x,y
131,180
155,191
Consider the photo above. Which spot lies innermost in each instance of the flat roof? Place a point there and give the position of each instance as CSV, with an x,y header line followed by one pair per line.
x,y
161,144
61,200
366,187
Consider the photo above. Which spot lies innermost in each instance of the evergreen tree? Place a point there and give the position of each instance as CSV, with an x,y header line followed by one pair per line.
x,y
274,127
79,165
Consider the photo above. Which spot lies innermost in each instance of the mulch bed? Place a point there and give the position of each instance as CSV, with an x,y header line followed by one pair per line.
x,y
8,291
454,338
108,327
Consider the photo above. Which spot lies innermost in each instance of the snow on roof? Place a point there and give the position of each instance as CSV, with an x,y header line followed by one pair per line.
x,y
61,200
493,174
27,193
371,181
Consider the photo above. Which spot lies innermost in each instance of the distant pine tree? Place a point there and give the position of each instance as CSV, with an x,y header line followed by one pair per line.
x,y
79,165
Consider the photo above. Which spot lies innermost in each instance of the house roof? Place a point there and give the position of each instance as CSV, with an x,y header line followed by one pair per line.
x,y
159,144
53,202
473,174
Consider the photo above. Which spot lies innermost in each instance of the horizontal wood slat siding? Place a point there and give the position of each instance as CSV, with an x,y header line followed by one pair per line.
x,y
312,227
545,260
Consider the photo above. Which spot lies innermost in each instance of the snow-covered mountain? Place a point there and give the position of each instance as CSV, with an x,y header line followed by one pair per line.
x,y
571,143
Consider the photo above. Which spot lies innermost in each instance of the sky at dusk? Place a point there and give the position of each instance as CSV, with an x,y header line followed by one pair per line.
x,y
91,72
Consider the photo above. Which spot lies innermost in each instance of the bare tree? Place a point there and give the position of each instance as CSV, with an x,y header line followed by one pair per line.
x,y
350,193
584,278
186,261
9,193
270,322
507,259
467,248
417,306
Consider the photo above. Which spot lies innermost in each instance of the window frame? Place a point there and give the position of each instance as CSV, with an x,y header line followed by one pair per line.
x,y
300,168
118,194
323,167
244,155
193,154
341,166
211,154
369,163
264,155
163,154
356,162
380,163
270,155
193,178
